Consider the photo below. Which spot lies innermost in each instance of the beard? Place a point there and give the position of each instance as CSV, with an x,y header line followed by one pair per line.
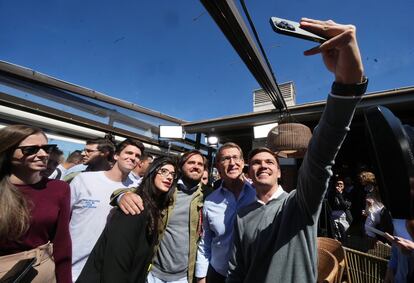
x,y
191,181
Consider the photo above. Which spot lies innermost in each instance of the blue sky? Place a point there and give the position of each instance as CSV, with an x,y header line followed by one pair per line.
x,y
171,57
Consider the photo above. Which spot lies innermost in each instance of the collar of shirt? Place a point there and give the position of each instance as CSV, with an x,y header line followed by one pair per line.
x,y
275,195
183,187
133,175
246,186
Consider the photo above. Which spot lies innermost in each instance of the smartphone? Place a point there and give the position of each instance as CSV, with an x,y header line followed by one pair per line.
x,y
21,272
291,28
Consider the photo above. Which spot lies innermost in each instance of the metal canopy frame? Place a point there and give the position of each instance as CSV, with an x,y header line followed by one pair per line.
x,y
39,85
42,79
226,15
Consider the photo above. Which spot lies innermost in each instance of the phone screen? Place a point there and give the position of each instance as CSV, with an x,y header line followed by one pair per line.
x,y
292,28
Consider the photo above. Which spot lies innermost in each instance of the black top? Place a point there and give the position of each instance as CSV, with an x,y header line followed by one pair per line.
x,y
122,252
338,202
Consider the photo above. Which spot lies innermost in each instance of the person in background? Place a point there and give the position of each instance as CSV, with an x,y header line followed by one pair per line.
x,y
34,210
126,246
348,187
340,215
73,159
53,162
401,265
377,215
142,167
97,156
204,178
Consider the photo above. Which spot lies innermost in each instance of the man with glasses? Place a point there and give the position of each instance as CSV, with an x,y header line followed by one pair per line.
x,y
219,211
175,256
90,192
96,156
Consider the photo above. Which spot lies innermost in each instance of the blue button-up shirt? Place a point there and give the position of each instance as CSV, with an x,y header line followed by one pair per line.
x,y
219,213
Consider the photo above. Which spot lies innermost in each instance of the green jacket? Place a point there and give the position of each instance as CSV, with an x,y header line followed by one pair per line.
x,y
68,178
195,221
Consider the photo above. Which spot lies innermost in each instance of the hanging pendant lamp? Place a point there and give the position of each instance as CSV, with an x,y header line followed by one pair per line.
x,y
289,140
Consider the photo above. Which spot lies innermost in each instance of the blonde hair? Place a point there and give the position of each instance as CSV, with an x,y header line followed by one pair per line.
x,y
14,208
367,178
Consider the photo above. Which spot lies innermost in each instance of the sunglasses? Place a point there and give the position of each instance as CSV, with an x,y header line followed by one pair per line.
x,y
88,151
33,149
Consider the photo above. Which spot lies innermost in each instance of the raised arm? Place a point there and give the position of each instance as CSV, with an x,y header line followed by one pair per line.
x,y
342,57
340,53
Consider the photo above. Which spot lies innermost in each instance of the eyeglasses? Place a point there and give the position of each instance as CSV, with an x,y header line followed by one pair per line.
x,y
165,172
227,159
90,150
33,149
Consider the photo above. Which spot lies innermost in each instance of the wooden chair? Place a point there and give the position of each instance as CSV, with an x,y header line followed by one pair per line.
x,y
381,250
335,247
363,267
327,267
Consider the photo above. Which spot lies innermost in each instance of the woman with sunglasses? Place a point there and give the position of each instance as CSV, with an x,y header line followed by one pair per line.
x,y
125,248
34,211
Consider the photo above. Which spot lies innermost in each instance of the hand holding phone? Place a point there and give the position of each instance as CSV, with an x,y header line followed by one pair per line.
x,y
292,28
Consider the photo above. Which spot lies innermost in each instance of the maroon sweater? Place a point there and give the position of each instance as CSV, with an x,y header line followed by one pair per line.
x,y
49,203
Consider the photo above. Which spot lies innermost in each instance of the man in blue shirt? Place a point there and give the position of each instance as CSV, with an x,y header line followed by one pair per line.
x,y
219,211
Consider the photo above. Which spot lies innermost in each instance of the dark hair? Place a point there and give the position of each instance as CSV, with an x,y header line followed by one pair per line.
x,y
187,156
255,151
154,203
205,160
55,152
146,156
75,157
120,147
339,179
105,146
184,158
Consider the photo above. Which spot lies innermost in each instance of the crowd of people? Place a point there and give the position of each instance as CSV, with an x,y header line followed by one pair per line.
x,y
358,204
114,213
356,208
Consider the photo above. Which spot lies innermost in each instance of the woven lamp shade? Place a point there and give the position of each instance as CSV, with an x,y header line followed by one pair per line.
x,y
289,139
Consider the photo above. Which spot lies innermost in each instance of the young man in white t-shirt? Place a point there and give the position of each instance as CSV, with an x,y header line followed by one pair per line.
x,y
90,194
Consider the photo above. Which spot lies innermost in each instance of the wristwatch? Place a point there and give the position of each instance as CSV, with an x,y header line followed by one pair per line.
x,y
350,89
